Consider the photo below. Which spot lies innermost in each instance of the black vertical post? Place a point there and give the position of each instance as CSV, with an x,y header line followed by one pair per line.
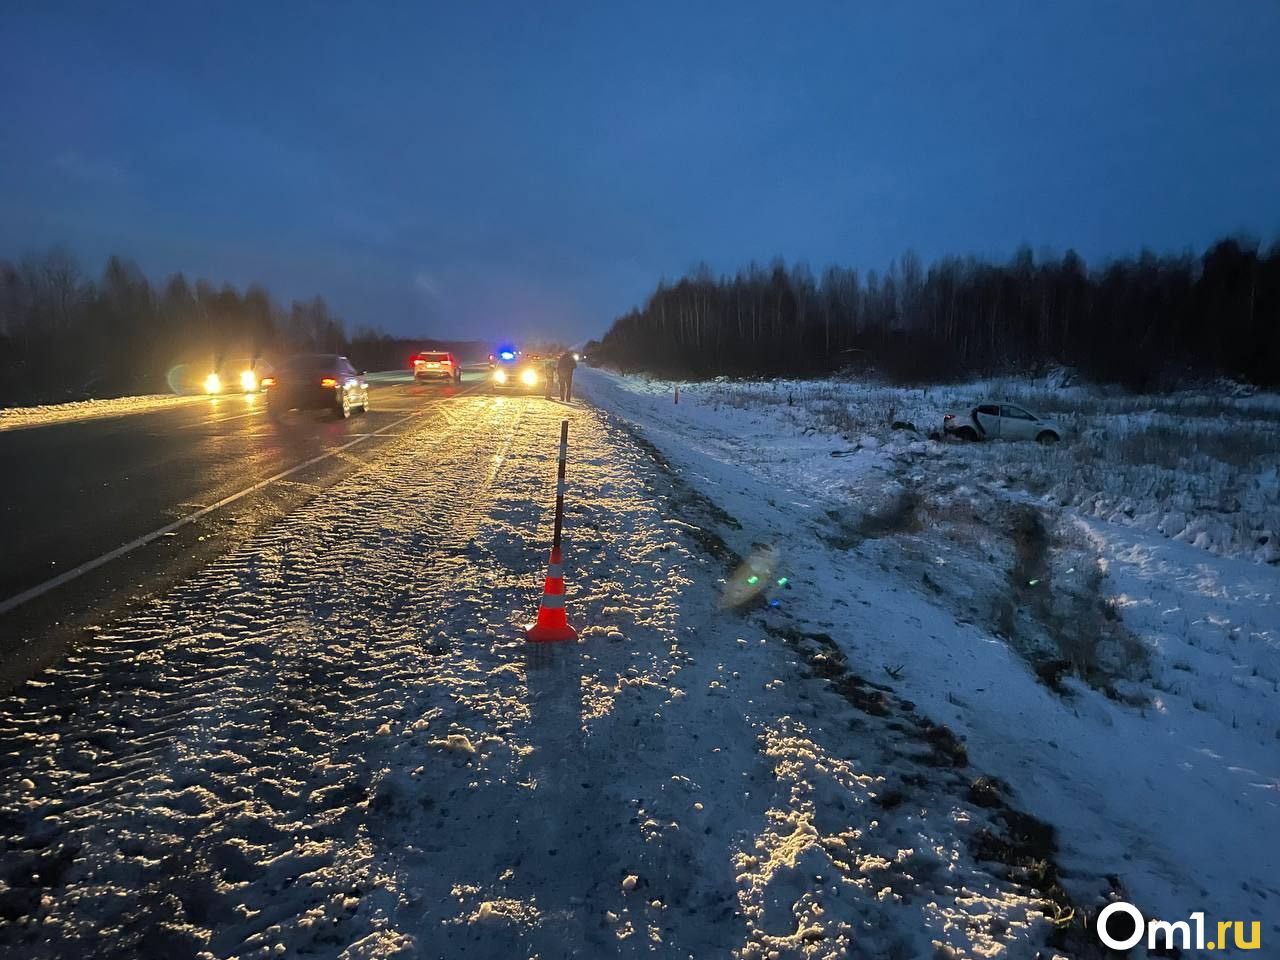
x,y
564,450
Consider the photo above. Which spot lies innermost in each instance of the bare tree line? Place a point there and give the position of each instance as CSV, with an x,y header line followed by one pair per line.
x,y
1147,322
64,335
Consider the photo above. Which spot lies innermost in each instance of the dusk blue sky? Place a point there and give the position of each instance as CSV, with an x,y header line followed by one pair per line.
x,y
516,169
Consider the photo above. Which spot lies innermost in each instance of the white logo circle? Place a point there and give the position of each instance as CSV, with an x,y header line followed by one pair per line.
x,y
1139,924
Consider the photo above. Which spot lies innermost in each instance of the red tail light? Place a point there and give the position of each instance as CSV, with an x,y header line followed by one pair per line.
x,y
328,382
267,382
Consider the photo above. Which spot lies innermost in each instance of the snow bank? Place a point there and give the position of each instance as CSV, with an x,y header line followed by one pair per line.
x,y
1098,629
13,418
1200,468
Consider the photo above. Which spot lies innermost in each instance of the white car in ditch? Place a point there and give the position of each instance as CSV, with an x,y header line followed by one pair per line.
x,y
1000,420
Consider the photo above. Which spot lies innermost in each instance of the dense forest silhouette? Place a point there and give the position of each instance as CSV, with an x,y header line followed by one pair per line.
x,y
1148,322
64,336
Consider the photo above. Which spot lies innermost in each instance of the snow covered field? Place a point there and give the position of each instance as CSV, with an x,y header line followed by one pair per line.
x,y
1199,467
1098,621
334,742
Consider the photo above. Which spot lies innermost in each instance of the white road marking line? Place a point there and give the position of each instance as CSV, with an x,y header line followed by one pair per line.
x,y
69,575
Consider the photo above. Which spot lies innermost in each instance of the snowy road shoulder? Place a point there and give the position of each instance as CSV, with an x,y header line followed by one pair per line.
x,y
17,418
1167,783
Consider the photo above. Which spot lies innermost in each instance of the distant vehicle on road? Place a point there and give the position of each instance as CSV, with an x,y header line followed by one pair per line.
x,y
437,366
317,381
1001,420
513,370
237,375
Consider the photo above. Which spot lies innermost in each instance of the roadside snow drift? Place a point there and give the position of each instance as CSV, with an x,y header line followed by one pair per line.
x,y
14,418
1118,670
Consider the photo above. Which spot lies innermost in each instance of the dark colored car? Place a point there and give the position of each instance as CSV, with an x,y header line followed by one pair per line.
x,y
219,375
523,373
435,365
237,375
317,381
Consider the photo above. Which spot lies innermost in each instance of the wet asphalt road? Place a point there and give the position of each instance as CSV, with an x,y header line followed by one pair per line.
x,y
73,492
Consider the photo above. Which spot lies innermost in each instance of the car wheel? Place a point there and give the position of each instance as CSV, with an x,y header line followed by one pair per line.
x,y
364,407
1048,436
344,408
967,434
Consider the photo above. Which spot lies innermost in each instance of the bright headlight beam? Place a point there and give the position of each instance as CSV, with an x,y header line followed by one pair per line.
x,y
529,377
499,376
248,382
213,383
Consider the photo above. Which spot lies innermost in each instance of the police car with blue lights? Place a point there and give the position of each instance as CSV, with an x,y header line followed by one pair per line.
x,y
514,370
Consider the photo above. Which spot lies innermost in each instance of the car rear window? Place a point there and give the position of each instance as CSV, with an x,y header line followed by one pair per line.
x,y
310,363
435,357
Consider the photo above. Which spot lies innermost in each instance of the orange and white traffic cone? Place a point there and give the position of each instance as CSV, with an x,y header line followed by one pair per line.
x,y
552,625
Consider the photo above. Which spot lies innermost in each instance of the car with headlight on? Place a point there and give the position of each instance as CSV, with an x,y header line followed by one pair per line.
x,y
239,375
1001,420
317,381
436,365
520,372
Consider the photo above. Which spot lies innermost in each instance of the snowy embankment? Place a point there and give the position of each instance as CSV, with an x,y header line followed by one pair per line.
x,y
1103,631
14,418
1198,468
335,742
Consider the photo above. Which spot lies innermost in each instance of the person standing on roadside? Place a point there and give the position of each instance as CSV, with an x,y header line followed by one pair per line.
x,y
564,373
548,374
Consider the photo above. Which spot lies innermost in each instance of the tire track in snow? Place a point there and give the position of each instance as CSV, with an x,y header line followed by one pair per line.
x,y
232,657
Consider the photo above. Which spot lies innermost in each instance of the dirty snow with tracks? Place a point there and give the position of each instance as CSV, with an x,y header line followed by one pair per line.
x,y
43,415
1098,621
335,742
